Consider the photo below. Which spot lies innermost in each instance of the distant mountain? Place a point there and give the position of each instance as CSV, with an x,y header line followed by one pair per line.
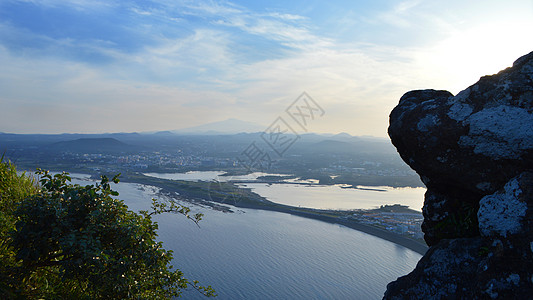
x,y
229,126
165,132
92,145
343,144
343,135
332,146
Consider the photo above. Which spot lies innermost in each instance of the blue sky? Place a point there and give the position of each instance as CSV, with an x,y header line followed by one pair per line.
x,y
124,66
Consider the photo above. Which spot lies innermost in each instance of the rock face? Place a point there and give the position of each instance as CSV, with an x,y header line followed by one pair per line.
x,y
474,152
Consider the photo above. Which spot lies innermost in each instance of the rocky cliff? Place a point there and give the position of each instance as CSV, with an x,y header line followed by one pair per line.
x,y
474,152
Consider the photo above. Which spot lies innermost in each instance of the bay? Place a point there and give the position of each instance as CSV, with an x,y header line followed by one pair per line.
x,y
254,254
312,195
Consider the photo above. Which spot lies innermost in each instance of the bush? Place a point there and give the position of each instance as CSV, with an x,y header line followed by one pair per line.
x,y
13,189
72,241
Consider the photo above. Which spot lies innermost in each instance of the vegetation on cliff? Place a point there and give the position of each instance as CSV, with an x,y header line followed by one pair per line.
x,y
65,241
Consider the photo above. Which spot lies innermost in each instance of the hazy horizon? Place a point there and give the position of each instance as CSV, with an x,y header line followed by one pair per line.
x,y
197,130
137,66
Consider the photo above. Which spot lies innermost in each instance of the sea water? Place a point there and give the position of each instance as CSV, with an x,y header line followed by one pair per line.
x,y
339,197
254,254
312,195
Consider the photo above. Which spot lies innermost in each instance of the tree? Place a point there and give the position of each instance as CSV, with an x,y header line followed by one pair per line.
x,y
73,241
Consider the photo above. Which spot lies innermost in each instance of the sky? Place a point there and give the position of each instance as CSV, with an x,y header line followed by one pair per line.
x,y
77,66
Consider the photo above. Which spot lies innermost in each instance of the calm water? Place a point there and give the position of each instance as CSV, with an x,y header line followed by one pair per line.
x,y
252,254
336,197
314,196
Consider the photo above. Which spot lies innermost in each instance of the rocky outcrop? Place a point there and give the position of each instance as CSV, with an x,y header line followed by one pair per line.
x,y
474,152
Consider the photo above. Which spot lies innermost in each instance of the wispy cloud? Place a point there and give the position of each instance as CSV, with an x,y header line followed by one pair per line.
x,y
167,64
401,15
289,29
76,4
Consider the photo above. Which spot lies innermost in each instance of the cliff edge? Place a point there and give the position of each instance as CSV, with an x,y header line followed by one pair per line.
x,y
474,152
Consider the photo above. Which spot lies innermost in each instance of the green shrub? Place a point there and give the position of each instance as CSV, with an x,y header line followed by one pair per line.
x,y
69,241
14,188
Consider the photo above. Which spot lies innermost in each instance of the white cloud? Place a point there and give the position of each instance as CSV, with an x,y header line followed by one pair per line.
x,y
285,28
185,74
214,8
56,96
76,4
401,15
287,17
350,81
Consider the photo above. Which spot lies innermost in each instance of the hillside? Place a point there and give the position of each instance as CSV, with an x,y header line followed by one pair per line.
x,y
92,145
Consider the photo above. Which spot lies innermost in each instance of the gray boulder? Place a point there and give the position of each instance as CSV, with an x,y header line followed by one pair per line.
x,y
474,152
466,146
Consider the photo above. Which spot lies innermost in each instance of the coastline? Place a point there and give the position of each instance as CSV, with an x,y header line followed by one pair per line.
x,y
371,230
374,231
217,196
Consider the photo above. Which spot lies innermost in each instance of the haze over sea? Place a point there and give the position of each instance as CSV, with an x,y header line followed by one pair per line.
x,y
254,254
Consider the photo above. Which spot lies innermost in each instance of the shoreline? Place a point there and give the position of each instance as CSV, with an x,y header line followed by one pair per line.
x,y
212,197
371,230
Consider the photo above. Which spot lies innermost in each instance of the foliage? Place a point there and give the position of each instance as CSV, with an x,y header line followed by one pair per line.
x,y
73,241
460,222
13,189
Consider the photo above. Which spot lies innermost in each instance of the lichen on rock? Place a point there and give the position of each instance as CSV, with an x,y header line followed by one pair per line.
x,y
502,213
474,152
501,132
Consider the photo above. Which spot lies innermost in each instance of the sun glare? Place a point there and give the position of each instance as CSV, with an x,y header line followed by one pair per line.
x,y
484,50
